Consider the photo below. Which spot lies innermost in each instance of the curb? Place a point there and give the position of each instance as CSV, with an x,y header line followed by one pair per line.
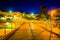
x,y
11,33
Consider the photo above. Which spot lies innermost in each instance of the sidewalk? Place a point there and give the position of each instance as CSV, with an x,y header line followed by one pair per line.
x,y
50,27
6,32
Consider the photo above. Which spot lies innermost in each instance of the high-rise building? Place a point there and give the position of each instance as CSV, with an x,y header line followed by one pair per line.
x,y
43,9
43,12
58,12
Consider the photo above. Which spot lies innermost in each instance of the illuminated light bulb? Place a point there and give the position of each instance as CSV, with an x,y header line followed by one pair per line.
x,y
10,11
7,23
32,13
3,18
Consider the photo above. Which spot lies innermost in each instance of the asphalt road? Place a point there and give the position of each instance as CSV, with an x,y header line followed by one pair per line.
x,y
32,31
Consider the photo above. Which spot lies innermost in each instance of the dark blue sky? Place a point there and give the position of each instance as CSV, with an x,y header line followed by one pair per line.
x,y
28,5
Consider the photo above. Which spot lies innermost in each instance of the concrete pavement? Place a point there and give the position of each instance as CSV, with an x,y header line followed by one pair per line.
x,y
32,31
53,34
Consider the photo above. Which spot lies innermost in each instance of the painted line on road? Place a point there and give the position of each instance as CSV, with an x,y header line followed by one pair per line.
x,y
31,31
40,32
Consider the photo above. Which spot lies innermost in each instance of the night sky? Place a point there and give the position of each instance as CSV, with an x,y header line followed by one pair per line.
x,y
28,5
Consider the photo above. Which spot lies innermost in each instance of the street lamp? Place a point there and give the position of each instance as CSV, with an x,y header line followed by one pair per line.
x,y
2,18
10,11
8,25
33,16
32,13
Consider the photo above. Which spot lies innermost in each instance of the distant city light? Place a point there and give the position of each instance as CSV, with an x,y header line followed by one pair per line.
x,y
7,23
10,11
3,18
32,13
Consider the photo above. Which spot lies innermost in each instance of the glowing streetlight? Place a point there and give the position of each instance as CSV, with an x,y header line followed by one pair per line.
x,y
7,23
32,13
3,18
10,11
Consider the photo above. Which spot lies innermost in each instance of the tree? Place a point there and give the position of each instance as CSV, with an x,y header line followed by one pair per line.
x,y
23,14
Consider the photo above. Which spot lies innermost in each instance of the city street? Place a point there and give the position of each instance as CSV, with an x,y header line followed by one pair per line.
x,y
29,19
33,31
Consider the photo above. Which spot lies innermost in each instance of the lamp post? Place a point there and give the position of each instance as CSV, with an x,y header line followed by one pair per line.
x,y
10,11
9,25
5,30
32,14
